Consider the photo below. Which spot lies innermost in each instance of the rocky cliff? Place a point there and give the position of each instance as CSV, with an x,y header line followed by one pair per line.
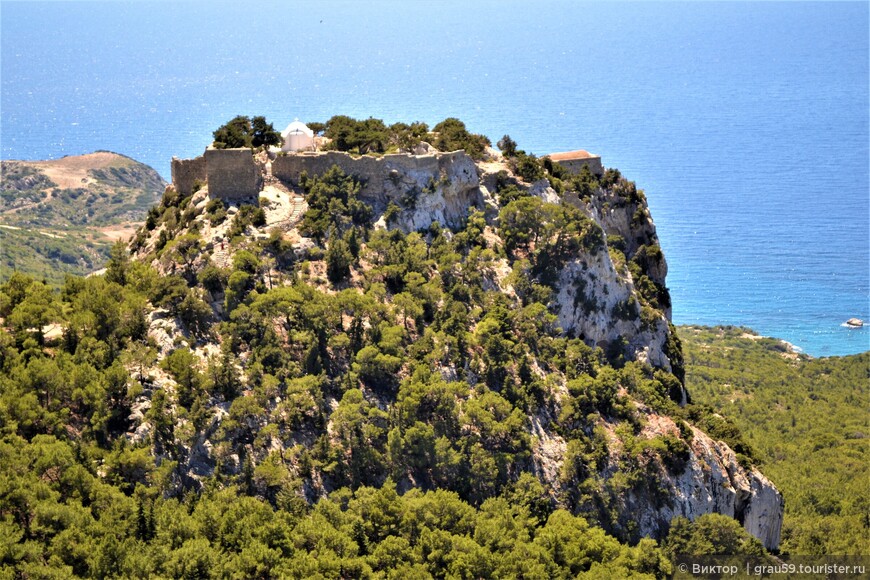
x,y
712,480
442,322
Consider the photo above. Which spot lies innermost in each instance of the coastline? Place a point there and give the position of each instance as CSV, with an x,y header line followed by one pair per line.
x,y
786,348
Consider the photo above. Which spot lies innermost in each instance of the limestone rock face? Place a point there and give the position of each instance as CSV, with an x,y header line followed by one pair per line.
x,y
762,516
714,481
628,217
432,187
542,189
443,190
423,148
597,298
163,329
711,481
302,247
597,303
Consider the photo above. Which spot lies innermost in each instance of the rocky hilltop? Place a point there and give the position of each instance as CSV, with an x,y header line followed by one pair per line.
x,y
96,189
61,216
437,320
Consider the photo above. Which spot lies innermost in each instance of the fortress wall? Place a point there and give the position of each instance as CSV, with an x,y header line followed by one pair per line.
x,y
378,174
575,165
187,171
442,186
288,168
232,174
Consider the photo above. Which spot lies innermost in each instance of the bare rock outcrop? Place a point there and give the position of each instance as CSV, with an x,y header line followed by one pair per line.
x,y
598,303
709,480
163,329
762,514
444,191
712,480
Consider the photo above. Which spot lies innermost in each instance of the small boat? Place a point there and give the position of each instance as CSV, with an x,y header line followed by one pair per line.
x,y
855,322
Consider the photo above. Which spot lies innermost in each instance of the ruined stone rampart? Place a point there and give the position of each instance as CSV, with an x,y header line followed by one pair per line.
x,y
379,175
186,172
232,174
288,168
438,187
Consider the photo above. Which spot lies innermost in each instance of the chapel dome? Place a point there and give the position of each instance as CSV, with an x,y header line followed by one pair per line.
x,y
297,127
297,137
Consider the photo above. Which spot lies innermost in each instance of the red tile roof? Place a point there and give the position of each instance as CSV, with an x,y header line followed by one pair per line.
x,y
570,155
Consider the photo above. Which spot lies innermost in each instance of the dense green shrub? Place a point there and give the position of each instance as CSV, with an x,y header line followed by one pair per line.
x,y
548,234
710,534
242,131
338,260
348,134
216,211
247,215
507,146
333,205
527,166
451,134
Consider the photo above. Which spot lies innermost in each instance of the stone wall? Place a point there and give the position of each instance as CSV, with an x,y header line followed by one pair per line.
x,y
232,174
575,165
288,168
443,186
185,172
372,170
377,174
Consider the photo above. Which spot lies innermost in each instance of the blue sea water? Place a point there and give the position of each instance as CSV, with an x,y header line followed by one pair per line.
x,y
745,123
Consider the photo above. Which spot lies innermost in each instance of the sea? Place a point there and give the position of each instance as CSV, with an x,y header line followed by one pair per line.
x,y
746,123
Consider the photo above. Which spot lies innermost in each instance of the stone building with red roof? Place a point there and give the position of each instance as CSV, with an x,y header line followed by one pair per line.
x,y
574,161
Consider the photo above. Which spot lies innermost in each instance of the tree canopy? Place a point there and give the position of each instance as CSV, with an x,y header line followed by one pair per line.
x,y
242,131
373,136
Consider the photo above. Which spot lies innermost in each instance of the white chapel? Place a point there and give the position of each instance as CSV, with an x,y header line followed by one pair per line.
x,y
297,137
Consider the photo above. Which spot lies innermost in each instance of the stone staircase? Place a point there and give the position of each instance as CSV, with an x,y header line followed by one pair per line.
x,y
292,207
300,206
297,207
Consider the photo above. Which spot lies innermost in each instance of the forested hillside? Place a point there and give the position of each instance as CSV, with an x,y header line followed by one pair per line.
x,y
246,394
806,421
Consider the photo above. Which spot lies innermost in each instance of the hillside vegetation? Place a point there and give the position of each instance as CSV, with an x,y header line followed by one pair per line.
x,y
60,217
247,394
807,423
